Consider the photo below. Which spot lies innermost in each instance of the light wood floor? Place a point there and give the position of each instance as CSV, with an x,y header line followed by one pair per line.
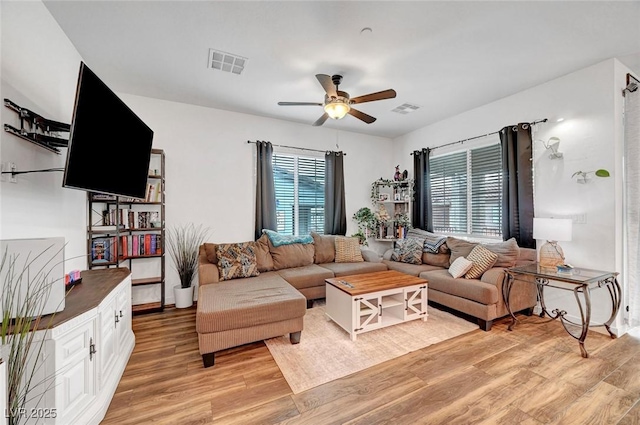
x,y
533,375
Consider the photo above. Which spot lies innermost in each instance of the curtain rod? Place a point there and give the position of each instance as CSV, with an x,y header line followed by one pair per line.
x,y
478,137
295,147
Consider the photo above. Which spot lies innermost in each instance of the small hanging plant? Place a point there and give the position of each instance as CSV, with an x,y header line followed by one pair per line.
x,y
584,176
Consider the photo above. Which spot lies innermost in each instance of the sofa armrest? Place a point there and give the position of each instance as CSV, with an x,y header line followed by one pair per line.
x,y
207,272
494,276
371,256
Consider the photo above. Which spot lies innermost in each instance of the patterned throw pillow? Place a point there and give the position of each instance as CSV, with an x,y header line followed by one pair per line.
x,y
432,242
236,260
482,259
408,251
278,239
459,267
348,250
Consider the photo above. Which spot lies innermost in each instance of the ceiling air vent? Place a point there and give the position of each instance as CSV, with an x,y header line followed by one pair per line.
x,y
227,62
405,108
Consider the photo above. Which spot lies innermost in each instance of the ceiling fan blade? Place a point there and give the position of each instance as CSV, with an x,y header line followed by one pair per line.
x,y
321,120
385,94
327,84
361,116
299,104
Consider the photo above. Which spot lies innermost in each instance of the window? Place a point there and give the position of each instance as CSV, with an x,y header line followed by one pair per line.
x,y
299,186
466,192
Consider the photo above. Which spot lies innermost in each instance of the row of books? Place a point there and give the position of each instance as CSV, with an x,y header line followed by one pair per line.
x,y
136,245
107,250
130,219
154,192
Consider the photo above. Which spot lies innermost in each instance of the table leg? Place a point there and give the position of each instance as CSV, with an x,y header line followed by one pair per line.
x,y
506,293
615,293
585,316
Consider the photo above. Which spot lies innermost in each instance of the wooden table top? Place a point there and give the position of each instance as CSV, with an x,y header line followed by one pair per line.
x,y
373,282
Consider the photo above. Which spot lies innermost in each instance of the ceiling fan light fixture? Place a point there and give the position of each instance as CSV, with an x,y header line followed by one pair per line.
x,y
337,109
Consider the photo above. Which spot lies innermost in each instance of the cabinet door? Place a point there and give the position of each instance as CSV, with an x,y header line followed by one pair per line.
x,y
415,302
123,313
75,376
368,313
108,340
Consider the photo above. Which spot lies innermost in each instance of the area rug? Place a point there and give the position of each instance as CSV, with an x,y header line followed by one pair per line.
x,y
326,351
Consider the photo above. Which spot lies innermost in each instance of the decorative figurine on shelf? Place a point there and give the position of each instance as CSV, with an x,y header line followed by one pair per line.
x,y
397,176
405,175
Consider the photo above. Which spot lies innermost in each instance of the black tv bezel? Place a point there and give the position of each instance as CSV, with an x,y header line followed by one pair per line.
x,y
84,66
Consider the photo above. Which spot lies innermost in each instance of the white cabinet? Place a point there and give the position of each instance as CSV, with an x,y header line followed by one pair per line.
x,y
85,352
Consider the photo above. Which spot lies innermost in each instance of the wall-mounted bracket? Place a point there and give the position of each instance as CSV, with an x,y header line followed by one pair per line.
x,y
37,129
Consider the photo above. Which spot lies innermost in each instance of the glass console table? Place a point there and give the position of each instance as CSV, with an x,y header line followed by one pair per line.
x,y
580,281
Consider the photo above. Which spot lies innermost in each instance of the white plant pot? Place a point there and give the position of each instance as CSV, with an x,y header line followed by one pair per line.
x,y
183,296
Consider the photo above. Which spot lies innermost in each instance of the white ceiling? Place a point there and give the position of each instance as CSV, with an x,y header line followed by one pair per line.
x,y
446,57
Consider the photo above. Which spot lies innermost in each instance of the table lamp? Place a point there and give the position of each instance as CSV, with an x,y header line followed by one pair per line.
x,y
552,230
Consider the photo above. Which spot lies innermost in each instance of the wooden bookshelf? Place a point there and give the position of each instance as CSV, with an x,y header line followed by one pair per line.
x,y
114,226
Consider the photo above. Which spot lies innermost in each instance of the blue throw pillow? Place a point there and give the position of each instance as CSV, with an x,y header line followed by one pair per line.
x,y
278,240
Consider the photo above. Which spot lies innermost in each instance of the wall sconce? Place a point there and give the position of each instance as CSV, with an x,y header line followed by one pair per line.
x,y
553,144
584,176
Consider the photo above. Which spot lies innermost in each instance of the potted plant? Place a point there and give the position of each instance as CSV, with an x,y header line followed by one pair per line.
x,y
366,224
183,243
24,289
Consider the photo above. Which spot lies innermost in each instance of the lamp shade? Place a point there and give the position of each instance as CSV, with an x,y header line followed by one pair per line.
x,y
552,229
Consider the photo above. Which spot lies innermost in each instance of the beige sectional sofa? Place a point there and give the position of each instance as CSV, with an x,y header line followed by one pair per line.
x,y
480,298
239,311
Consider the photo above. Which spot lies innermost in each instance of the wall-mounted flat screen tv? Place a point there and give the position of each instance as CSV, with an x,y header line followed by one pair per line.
x,y
109,146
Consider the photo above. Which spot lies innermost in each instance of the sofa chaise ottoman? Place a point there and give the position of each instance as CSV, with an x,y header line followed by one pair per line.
x,y
231,314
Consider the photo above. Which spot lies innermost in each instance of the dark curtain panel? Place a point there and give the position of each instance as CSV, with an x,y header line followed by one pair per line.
x,y
517,187
265,191
422,214
335,216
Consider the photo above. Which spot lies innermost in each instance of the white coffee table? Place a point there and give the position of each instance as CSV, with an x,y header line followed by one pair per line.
x,y
364,302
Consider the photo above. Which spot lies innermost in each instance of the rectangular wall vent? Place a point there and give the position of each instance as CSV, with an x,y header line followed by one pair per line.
x,y
405,108
227,62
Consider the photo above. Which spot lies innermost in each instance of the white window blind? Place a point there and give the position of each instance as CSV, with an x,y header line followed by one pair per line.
x,y
448,175
466,192
299,185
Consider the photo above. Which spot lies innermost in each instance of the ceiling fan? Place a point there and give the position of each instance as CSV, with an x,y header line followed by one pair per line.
x,y
337,103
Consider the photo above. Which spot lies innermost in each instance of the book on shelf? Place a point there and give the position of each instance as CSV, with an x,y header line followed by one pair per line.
x,y
103,250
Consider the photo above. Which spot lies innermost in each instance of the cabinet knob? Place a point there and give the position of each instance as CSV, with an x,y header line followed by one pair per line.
x,y
121,313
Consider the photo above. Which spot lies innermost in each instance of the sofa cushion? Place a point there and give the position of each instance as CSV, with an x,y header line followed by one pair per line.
x,y
408,251
236,260
325,248
471,289
210,251
278,239
460,267
345,269
508,252
348,250
264,299
289,256
263,256
459,248
306,276
482,259
412,269
440,260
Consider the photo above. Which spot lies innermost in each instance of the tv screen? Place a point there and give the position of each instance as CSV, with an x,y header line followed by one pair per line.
x,y
109,146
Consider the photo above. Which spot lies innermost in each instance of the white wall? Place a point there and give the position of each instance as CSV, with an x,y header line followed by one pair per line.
x,y
210,167
590,137
39,72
